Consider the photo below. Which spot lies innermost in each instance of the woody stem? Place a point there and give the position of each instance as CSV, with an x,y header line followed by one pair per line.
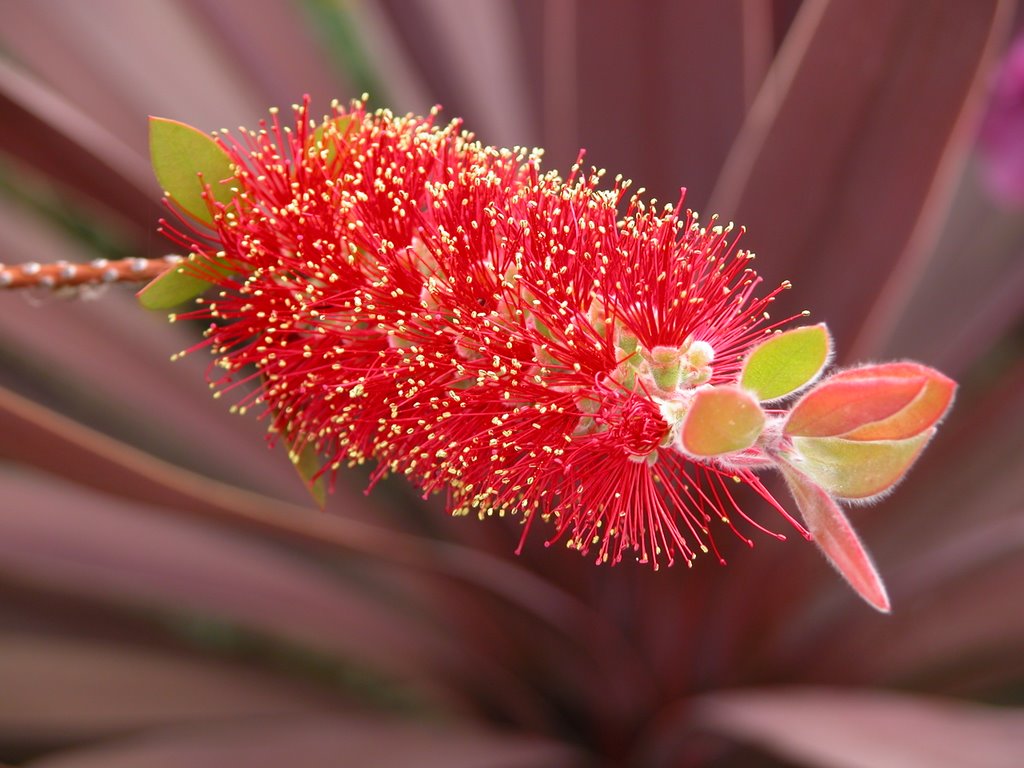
x,y
62,274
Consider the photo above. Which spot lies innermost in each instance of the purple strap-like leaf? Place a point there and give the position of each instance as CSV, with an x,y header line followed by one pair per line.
x,y
834,728
60,690
321,740
869,139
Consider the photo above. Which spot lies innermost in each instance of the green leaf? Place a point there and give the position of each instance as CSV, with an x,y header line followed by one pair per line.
x,y
851,469
180,284
307,464
786,362
180,154
186,160
721,420
328,143
835,537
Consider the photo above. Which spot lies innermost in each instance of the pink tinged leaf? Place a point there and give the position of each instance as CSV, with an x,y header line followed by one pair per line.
x,y
786,362
926,410
851,469
835,537
877,402
721,420
900,370
838,407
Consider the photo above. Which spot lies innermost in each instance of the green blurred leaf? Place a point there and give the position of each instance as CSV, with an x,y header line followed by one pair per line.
x,y
786,362
180,155
307,463
329,142
181,284
721,420
345,42
849,469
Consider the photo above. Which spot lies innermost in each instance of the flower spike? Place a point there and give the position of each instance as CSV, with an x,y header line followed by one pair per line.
x,y
515,339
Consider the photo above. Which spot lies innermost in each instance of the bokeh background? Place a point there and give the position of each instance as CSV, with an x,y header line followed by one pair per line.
x,y
168,594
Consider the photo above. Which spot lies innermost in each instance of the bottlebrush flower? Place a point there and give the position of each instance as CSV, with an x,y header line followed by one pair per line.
x,y
405,295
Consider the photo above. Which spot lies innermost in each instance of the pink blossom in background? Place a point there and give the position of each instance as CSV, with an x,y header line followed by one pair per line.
x,y
1002,133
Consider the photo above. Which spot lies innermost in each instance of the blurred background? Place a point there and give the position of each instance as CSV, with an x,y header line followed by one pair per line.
x,y
168,594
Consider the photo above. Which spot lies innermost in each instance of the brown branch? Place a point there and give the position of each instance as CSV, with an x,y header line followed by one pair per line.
x,y
64,274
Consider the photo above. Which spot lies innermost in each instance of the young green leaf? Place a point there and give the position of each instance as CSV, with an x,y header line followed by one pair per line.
x,y
786,362
851,469
180,284
721,420
180,155
836,538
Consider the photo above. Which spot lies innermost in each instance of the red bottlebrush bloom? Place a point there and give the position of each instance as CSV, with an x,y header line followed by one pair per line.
x,y
515,339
